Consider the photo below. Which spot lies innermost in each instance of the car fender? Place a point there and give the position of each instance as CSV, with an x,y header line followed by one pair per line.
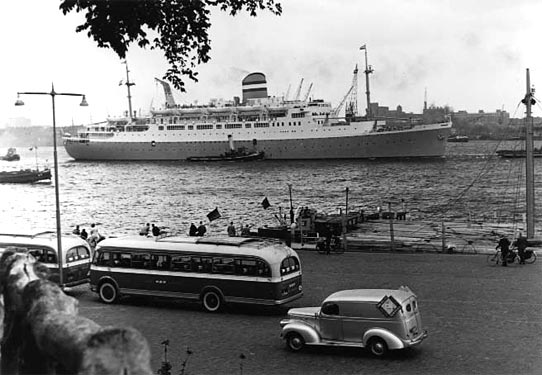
x,y
308,333
391,339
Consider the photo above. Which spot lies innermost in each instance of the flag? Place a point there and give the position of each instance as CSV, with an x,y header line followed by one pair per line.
x,y
265,203
363,47
213,215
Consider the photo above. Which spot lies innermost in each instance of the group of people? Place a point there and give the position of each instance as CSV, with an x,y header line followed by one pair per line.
x,y
232,232
150,230
504,245
198,231
92,238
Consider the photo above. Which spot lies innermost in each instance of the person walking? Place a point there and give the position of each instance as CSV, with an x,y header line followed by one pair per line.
x,y
201,229
84,234
155,230
504,245
231,229
76,230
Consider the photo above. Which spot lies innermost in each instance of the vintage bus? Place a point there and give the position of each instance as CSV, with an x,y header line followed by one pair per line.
x,y
211,270
76,254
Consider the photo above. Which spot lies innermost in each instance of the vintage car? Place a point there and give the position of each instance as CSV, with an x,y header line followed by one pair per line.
x,y
377,319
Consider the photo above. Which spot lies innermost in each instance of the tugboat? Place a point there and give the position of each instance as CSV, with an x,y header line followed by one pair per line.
x,y
239,154
11,155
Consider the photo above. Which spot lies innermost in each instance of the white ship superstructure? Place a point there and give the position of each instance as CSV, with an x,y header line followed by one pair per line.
x,y
282,129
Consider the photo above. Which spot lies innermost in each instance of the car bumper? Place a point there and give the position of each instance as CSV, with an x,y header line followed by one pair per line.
x,y
417,340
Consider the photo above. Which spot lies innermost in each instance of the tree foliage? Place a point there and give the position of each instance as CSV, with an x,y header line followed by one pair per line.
x,y
181,27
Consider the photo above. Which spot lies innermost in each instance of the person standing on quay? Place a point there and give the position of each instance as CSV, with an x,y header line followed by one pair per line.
x,y
144,231
193,231
504,245
201,229
231,229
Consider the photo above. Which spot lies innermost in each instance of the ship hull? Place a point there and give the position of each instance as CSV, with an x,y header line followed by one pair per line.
x,y
428,142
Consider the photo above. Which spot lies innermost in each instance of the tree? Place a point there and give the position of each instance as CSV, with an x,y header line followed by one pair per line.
x,y
181,27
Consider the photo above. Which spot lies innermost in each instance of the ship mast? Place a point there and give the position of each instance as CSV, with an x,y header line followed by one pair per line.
x,y
368,70
528,101
128,84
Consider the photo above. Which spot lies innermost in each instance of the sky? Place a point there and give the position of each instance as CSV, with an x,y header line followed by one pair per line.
x,y
469,55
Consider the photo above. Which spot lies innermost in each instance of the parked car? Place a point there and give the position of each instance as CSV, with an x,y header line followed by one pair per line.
x,y
377,319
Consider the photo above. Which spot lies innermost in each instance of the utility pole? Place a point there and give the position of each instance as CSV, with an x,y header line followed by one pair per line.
x,y
529,174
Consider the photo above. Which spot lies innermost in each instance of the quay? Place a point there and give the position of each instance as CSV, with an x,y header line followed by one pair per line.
x,y
424,237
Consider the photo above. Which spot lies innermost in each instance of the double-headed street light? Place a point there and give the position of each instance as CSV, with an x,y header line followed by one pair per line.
x,y
84,103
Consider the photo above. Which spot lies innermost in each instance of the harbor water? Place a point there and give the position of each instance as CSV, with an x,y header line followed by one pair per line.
x,y
471,183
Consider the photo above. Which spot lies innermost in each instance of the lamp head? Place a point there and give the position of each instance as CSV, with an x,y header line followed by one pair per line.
x,y
84,102
19,102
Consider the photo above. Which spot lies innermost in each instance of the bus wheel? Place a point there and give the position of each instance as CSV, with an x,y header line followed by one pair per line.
x,y
212,302
295,342
108,292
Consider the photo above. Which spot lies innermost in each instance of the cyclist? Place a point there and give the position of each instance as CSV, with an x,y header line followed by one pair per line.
x,y
521,244
504,245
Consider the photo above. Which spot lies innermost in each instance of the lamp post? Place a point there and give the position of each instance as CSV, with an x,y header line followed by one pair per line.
x,y
84,103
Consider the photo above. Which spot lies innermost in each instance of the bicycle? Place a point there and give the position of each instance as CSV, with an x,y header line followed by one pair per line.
x,y
496,259
335,246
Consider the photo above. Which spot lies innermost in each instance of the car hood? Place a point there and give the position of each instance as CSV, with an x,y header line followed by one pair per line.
x,y
303,312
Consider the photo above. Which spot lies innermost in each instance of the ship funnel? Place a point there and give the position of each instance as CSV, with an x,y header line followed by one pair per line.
x,y
254,86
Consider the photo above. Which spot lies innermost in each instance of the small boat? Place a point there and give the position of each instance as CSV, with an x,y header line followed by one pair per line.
x,y
458,138
11,155
237,155
25,176
509,154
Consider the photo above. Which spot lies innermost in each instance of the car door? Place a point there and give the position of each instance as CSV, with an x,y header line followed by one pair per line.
x,y
330,322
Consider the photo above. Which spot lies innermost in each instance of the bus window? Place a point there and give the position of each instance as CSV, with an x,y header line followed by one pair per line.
x,y
82,252
122,260
141,260
104,259
71,255
202,264
38,254
252,267
50,257
223,265
160,262
289,265
181,263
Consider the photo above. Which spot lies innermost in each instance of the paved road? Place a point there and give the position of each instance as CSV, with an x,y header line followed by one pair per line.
x,y
481,320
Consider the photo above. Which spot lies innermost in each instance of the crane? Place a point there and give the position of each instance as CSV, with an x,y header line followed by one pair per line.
x,y
298,91
337,109
307,93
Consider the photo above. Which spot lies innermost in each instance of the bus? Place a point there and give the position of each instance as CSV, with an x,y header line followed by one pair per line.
x,y
213,271
76,254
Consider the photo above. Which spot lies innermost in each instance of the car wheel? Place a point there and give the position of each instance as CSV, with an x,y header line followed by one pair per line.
x,y
212,302
108,292
295,342
378,347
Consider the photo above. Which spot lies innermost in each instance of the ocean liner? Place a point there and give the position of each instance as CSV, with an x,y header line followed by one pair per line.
x,y
302,128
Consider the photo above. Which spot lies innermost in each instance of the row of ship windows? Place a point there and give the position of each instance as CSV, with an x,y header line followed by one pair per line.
x,y
226,126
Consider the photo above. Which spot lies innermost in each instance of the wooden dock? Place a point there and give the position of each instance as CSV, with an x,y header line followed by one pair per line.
x,y
425,236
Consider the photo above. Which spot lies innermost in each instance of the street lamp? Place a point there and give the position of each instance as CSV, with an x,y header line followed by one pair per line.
x,y
84,103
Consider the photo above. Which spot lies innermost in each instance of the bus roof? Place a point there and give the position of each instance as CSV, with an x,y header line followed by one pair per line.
x,y
47,239
271,251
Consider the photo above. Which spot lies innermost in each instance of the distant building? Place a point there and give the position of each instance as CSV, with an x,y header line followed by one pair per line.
x,y
499,117
18,122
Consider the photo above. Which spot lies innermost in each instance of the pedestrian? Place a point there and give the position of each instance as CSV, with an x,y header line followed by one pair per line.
x,y
231,229
521,244
504,245
77,230
84,234
155,230
193,231
245,231
201,229
144,231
